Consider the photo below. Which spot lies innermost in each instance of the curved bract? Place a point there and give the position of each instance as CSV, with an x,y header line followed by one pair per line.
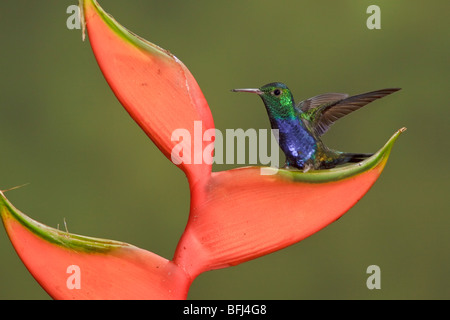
x,y
70,266
235,215
155,87
247,215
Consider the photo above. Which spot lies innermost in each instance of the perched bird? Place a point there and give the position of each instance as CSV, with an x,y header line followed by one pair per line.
x,y
301,125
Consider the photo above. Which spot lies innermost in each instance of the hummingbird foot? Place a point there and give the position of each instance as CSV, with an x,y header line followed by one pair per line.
x,y
305,167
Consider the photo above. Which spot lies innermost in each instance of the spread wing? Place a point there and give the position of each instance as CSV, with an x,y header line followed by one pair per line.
x,y
323,110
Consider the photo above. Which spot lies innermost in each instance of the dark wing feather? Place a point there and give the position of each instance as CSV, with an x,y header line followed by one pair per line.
x,y
323,110
320,100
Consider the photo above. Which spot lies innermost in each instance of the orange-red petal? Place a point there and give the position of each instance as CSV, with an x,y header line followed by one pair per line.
x,y
246,215
70,266
155,87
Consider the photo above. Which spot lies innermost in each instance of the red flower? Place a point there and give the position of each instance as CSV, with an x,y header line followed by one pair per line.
x,y
235,215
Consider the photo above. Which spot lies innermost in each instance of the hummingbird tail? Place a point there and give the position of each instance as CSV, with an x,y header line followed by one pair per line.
x,y
356,157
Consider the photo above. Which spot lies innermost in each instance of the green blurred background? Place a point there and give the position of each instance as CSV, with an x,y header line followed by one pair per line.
x,y
63,131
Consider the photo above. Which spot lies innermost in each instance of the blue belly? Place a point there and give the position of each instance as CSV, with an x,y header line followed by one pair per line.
x,y
296,142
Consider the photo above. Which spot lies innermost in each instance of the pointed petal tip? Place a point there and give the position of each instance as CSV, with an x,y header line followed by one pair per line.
x,y
392,139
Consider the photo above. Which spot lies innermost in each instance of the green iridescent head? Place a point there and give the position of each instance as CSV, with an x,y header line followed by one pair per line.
x,y
277,98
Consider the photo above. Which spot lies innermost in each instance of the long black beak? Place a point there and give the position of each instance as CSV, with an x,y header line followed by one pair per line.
x,y
257,91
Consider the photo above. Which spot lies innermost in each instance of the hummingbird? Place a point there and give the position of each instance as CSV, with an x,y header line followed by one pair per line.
x,y
300,126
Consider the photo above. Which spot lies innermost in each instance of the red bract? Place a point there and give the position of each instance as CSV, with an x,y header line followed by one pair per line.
x,y
156,88
103,269
235,215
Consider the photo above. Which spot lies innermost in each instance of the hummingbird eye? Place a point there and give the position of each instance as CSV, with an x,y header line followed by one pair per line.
x,y
276,92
